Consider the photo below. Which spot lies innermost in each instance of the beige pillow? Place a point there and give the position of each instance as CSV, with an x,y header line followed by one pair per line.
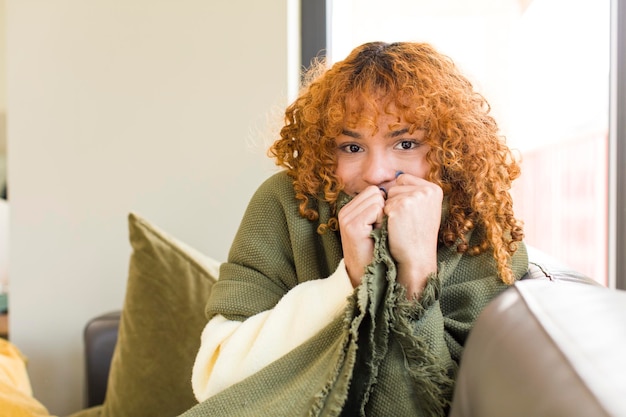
x,y
160,326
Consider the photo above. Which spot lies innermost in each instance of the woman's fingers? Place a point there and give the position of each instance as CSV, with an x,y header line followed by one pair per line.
x,y
413,209
356,220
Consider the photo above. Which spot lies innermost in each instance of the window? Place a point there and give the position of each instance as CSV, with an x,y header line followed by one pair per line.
x,y
544,67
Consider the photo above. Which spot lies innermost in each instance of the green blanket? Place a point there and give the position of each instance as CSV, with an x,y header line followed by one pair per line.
x,y
385,356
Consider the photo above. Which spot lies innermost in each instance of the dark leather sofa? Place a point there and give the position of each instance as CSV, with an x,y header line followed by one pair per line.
x,y
100,337
548,346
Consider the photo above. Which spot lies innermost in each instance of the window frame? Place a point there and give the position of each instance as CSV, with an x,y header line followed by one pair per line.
x,y
617,149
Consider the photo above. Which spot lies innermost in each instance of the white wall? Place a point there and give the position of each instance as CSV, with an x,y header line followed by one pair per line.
x,y
154,106
3,107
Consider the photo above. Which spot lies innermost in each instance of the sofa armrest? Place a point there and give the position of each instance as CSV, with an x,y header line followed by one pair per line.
x,y
100,337
545,347
543,266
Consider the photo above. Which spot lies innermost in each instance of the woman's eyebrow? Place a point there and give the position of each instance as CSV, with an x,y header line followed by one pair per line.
x,y
352,134
396,133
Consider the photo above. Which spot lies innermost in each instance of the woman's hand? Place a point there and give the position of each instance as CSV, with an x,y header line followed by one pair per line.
x,y
413,208
356,221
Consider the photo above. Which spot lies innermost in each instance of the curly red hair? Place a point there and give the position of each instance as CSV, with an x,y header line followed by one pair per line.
x,y
468,157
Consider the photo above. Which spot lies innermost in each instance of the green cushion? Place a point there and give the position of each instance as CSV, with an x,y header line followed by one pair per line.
x,y
160,327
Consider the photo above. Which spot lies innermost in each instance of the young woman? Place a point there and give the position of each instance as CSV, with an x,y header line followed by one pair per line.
x,y
360,268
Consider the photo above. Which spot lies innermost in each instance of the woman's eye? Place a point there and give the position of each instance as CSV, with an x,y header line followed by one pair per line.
x,y
407,144
351,148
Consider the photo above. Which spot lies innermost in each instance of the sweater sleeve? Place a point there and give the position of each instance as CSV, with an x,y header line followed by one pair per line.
x,y
233,350
453,299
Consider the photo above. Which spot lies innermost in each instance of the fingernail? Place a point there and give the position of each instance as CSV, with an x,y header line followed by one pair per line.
x,y
384,191
398,173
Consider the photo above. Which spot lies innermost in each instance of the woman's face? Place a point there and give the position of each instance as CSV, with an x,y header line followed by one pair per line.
x,y
367,156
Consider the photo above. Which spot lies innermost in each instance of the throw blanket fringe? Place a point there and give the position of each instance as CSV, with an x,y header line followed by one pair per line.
x,y
388,311
432,383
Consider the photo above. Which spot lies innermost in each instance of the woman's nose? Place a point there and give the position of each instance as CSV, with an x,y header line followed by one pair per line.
x,y
378,169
